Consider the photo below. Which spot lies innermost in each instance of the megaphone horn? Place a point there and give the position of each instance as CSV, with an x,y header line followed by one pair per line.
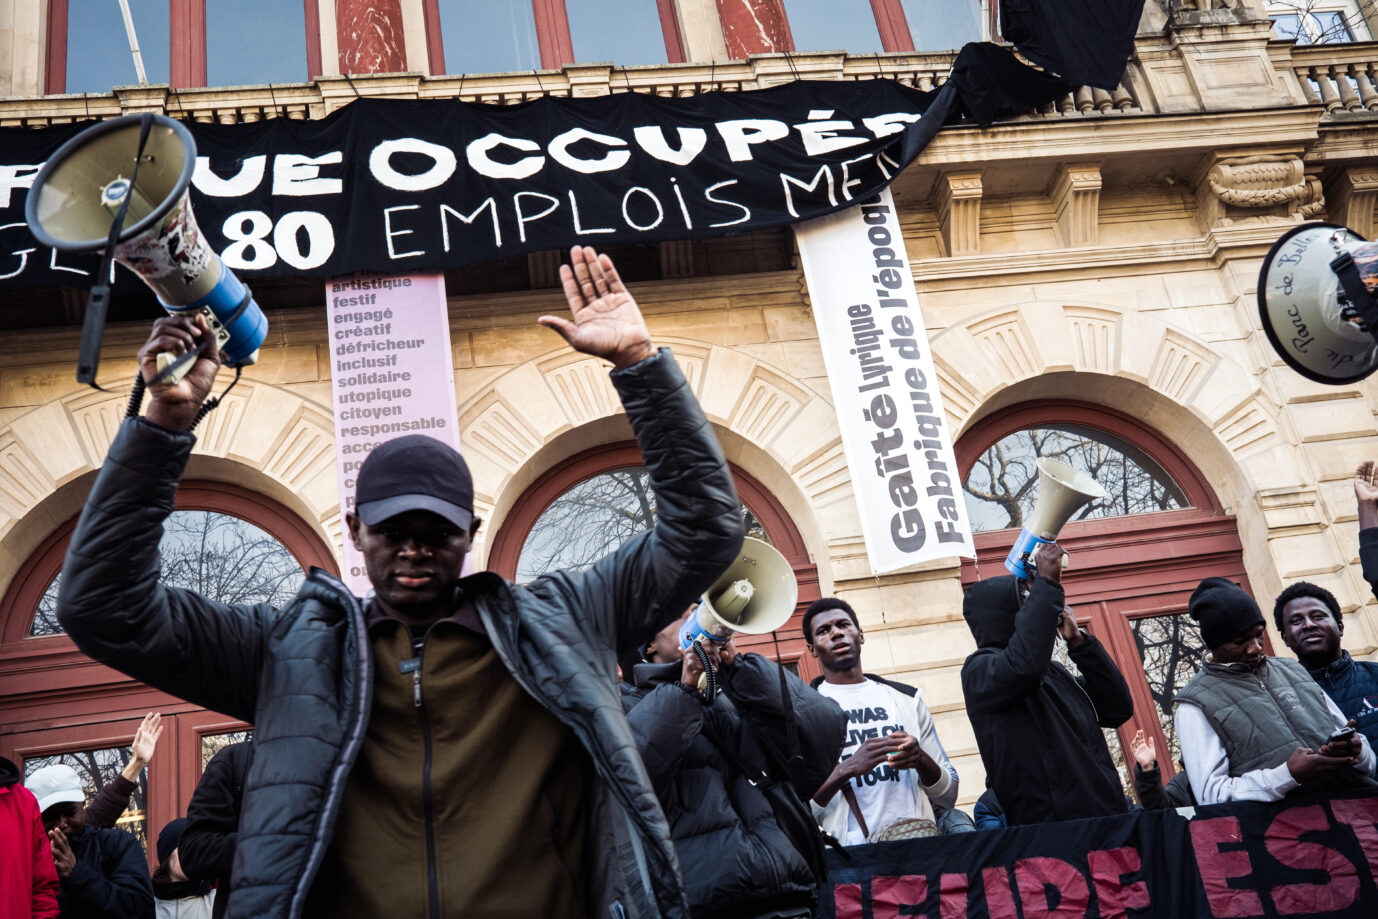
x,y
143,164
755,595
1062,491
1316,304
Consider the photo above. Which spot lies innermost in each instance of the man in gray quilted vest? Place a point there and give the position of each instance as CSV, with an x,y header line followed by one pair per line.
x,y
1254,727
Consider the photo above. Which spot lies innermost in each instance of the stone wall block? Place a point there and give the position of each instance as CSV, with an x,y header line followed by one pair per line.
x,y
767,405
1304,556
303,459
272,410
1139,341
1093,338
62,455
726,374
542,412
946,644
1335,420
1009,345
812,431
218,431
24,480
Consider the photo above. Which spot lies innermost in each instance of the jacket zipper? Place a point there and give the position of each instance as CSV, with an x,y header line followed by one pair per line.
x,y
427,798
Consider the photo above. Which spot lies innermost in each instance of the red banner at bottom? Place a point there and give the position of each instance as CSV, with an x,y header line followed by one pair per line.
x,y
1312,856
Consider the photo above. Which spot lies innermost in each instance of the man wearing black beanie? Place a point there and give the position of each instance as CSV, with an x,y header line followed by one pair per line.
x,y
1254,727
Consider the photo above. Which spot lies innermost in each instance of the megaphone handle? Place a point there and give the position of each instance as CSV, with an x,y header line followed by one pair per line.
x,y
92,328
708,680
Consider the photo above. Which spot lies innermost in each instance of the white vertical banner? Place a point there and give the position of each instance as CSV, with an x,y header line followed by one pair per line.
x,y
391,374
885,390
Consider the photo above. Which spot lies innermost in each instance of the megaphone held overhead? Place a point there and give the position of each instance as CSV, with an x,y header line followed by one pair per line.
x,y
757,594
1316,304
1062,491
81,188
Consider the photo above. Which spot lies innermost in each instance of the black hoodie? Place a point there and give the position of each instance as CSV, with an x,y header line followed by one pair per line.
x,y
1037,726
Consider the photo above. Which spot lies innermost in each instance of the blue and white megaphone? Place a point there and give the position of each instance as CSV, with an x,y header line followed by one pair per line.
x,y
1062,491
755,595
77,193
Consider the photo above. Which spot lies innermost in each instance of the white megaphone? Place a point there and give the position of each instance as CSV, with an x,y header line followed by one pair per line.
x,y
1062,491
77,194
757,594
1316,304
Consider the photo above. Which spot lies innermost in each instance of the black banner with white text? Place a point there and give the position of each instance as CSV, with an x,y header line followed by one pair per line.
x,y
423,185
1309,857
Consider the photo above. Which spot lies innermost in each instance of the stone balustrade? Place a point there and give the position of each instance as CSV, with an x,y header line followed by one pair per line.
x,y
235,104
1342,77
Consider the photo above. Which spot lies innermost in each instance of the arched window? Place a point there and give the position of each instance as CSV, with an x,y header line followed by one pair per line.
x,y
223,542
1002,486
57,705
220,556
1135,557
588,504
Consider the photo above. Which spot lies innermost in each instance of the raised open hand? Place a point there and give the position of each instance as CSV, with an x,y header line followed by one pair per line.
x,y
1141,747
1366,493
146,737
605,321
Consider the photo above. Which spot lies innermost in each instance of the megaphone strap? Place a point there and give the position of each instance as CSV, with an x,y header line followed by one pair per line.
x,y
1356,291
99,300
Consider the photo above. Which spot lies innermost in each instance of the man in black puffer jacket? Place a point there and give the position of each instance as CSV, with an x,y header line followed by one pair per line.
x,y
1037,726
207,846
738,863
456,746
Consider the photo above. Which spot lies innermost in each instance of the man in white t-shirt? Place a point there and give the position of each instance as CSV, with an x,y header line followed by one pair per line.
x,y
892,766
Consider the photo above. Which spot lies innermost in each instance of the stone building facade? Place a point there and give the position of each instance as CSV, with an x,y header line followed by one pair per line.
x,y
1093,265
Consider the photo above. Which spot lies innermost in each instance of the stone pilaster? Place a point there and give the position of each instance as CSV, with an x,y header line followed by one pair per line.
x,y
959,211
1076,203
1351,195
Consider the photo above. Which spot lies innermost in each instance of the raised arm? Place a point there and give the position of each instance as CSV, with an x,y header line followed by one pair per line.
x,y
111,600
1366,496
1102,680
652,577
995,678
113,797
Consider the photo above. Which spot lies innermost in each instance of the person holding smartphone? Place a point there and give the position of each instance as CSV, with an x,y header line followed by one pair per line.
x,y
1254,727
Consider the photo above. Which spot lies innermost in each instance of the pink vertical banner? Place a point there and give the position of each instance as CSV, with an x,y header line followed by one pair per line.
x,y
391,374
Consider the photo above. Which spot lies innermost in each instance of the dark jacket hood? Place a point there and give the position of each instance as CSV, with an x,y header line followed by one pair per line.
x,y
9,773
989,608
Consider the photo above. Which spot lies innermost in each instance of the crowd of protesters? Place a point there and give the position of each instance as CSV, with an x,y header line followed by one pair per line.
x,y
464,745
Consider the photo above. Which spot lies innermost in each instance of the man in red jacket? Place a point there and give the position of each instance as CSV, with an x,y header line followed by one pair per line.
x,y
28,878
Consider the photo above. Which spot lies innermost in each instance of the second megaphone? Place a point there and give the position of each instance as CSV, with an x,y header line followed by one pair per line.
x,y
79,190
757,594
1062,491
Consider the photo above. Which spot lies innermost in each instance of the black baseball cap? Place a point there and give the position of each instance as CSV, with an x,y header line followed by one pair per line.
x,y
415,473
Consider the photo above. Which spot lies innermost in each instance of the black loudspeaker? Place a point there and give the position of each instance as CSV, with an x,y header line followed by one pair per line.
x,y
1315,299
